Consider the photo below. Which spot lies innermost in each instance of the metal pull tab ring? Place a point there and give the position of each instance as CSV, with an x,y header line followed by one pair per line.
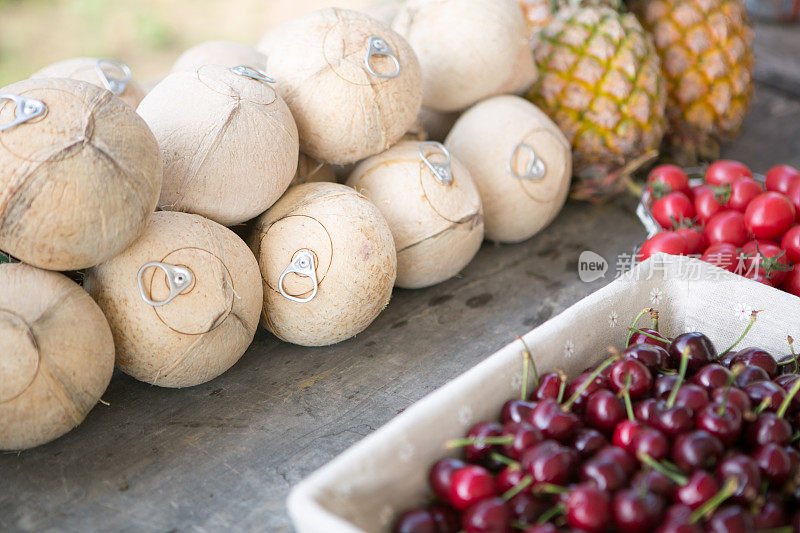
x,y
443,171
178,278
27,109
253,73
302,264
115,85
536,168
377,46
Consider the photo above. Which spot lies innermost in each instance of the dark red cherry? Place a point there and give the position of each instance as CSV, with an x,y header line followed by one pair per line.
x,y
692,396
700,488
651,356
768,428
549,386
588,441
771,514
416,521
508,478
639,338
598,383
475,452
524,436
440,475
604,410
701,350
625,432
446,518
525,508
644,409
711,376
550,462
786,381
794,459
588,509
631,370
516,410
758,392
671,420
790,365
542,528
751,374
635,511
696,449
553,422
469,485
730,519
619,456
757,357
653,481
487,516
663,386
747,474
649,441
774,462
735,397
724,421
676,520
604,474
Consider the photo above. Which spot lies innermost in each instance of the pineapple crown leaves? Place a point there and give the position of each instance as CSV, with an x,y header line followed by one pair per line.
x,y
555,5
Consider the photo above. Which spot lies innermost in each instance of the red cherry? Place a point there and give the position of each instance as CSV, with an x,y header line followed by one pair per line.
x,y
667,178
516,410
553,422
725,425
774,462
727,226
639,338
525,508
523,435
653,481
649,355
631,370
791,243
671,420
416,521
441,474
667,242
677,521
549,386
769,216
476,452
588,441
730,519
604,410
781,178
550,462
766,429
758,392
636,512
711,376
743,192
701,350
487,516
757,357
597,383
469,485
606,475
695,239
509,477
651,442
747,475
726,171
723,255
735,397
700,488
696,449
625,432
588,509
446,518
619,456
771,515
672,210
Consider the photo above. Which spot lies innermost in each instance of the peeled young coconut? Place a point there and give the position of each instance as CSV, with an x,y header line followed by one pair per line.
x,y
226,53
183,301
523,76
56,355
432,207
104,72
310,170
228,140
80,173
353,85
468,49
327,261
520,161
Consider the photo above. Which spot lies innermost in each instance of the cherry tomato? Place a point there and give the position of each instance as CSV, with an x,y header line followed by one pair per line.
x,y
727,226
791,243
668,242
672,210
781,178
723,255
769,216
768,259
667,178
792,283
759,277
794,197
706,203
695,239
726,171
743,192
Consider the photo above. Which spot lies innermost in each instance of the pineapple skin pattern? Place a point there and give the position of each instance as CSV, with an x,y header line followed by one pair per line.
x,y
707,59
600,81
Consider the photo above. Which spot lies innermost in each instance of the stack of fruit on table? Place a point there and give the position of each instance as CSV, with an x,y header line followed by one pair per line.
x,y
730,220
669,435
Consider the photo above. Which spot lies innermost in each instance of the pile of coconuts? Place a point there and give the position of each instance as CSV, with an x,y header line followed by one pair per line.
x,y
293,183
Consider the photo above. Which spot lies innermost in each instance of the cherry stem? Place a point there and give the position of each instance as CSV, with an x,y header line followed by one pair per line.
x,y
549,514
666,371
680,479
753,316
641,332
654,320
795,437
723,406
626,398
794,355
549,488
478,441
562,386
523,484
635,322
585,385
500,458
526,361
678,382
763,405
730,488
784,529
532,363
788,399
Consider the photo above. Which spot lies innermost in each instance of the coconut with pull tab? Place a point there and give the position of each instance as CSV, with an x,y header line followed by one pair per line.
x,y
183,301
229,142
104,72
520,161
432,206
80,173
328,263
226,53
353,85
56,355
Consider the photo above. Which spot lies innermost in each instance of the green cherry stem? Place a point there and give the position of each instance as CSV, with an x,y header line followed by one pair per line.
x,y
763,405
526,362
788,399
478,441
523,484
549,514
585,385
626,398
678,382
679,479
549,488
640,332
731,485
753,316
635,323
654,320
500,458
731,378
562,387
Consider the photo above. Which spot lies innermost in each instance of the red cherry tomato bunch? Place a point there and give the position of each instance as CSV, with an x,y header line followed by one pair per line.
x,y
731,220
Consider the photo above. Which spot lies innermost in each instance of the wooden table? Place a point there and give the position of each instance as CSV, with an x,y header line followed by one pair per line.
x,y
225,454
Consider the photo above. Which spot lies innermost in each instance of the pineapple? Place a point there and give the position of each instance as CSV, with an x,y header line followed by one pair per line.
x,y
707,60
600,81
539,12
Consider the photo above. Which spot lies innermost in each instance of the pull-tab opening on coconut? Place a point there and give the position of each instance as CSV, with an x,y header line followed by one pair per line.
x,y
19,356
540,154
296,253
192,288
534,166
243,82
25,109
114,74
252,73
378,47
455,200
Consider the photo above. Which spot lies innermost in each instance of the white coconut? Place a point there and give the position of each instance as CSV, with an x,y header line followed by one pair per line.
x,y
327,261
225,53
520,161
468,49
524,75
437,223
56,355
310,170
107,73
353,85
385,10
78,179
229,142
183,301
